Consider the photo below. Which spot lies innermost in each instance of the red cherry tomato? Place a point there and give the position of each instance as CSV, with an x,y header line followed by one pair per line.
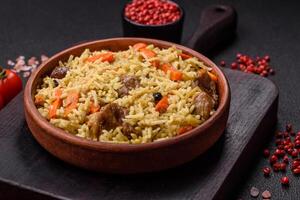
x,y
1,102
10,85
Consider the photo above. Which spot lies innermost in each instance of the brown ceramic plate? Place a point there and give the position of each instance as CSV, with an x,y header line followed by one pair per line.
x,y
124,158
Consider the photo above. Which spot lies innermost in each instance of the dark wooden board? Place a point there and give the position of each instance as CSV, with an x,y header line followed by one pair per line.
x,y
28,171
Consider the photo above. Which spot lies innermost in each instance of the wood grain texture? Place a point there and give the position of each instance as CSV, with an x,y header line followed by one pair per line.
x,y
210,176
217,26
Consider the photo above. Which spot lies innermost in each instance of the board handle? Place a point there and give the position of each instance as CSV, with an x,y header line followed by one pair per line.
x,y
217,26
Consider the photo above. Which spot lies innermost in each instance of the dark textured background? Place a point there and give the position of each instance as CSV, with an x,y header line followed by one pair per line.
x,y
265,27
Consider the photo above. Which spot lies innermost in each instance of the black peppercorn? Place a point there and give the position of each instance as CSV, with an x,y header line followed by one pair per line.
x,y
55,83
157,96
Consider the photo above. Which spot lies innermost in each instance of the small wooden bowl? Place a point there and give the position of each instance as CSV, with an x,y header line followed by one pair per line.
x,y
169,32
124,158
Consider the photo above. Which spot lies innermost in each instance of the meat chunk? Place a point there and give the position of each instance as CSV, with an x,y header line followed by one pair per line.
x,y
101,103
59,72
123,91
204,81
129,82
94,125
109,117
127,129
204,104
112,116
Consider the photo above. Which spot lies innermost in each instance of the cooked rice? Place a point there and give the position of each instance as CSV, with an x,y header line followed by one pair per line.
x,y
99,81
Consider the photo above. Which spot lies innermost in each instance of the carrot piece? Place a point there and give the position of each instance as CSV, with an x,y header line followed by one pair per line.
x,y
94,108
155,63
53,108
109,57
184,56
71,102
175,75
184,129
39,100
212,76
56,104
147,53
162,105
139,46
166,67
72,97
57,93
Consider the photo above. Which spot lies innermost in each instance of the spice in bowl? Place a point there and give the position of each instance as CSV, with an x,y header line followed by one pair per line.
x,y
152,12
158,19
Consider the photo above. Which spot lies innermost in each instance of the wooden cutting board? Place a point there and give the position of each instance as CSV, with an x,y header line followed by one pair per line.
x,y
27,171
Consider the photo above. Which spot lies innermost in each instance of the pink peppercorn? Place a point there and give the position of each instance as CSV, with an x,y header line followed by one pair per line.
x,y
286,159
266,171
276,166
279,152
267,58
282,166
273,159
223,63
258,66
296,171
294,153
297,143
284,180
266,153
295,164
152,12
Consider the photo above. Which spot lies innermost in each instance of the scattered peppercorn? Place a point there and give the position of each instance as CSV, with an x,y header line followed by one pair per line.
x,y
152,12
234,65
288,127
276,167
25,67
280,146
266,194
296,171
222,63
286,159
283,166
266,171
266,153
284,180
297,143
254,192
258,65
286,153
273,159
295,164
285,134
294,153
279,152
289,150
157,96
